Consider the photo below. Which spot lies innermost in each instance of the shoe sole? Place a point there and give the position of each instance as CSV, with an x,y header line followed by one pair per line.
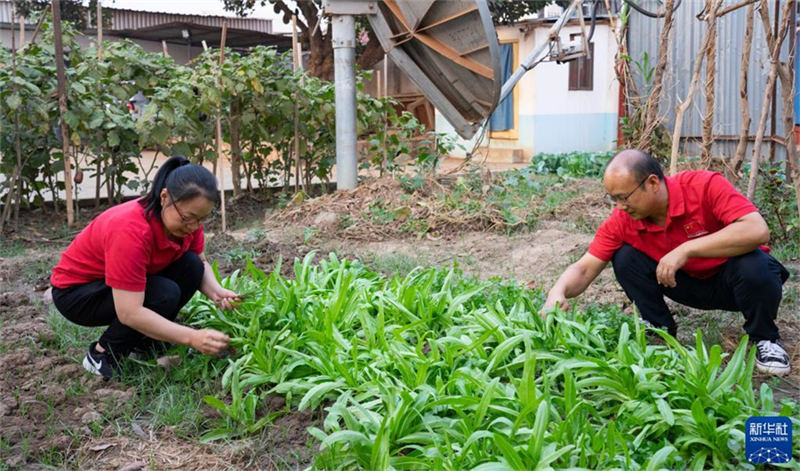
x,y
773,370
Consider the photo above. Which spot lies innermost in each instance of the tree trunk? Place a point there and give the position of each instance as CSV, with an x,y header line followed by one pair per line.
x,y
708,41
775,48
651,120
62,108
711,75
741,147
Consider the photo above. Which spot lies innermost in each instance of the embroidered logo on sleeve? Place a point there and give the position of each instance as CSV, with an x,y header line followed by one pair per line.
x,y
694,229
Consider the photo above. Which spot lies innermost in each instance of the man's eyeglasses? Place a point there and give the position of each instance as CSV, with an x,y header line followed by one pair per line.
x,y
189,220
624,199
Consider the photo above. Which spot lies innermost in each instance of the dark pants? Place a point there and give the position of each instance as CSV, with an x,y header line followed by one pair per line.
x,y
92,304
751,283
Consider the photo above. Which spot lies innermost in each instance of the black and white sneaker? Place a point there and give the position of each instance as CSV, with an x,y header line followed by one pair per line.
x,y
771,358
101,364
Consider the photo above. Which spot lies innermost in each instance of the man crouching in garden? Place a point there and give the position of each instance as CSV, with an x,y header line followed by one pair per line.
x,y
693,238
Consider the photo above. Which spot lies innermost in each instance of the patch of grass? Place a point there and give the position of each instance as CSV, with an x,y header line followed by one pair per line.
x,y
256,235
239,255
38,269
12,248
786,251
395,263
173,398
69,335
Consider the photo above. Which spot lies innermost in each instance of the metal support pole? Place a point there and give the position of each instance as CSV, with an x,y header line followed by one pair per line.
x,y
344,52
530,61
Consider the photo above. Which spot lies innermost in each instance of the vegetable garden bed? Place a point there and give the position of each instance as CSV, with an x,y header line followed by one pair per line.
x,y
435,370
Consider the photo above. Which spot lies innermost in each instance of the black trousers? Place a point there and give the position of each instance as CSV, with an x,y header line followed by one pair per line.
x,y
751,283
92,304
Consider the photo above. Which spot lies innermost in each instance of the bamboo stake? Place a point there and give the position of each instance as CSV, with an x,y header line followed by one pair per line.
x,y
773,72
18,167
39,23
741,147
62,108
221,166
99,28
296,67
21,32
384,149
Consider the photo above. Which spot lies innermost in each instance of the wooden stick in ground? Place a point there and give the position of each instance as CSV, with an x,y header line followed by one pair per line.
x,y
62,109
765,107
221,166
711,5
651,119
99,28
744,132
21,32
17,168
711,75
39,23
164,48
296,67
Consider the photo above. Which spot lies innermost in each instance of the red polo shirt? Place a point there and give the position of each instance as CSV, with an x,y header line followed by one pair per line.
x,y
700,203
122,247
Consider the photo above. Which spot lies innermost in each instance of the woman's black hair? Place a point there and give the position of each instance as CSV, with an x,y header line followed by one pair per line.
x,y
183,181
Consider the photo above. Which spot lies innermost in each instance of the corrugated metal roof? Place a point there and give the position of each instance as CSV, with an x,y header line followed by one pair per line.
x,y
6,10
122,19
131,19
644,35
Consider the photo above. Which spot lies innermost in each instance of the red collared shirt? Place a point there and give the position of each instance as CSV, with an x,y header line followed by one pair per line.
x,y
700,203
122,247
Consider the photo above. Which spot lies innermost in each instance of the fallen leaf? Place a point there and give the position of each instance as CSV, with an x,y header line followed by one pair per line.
x,y
101,447
135,466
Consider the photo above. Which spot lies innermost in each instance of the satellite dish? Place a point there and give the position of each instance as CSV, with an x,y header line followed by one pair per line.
x,y
449,49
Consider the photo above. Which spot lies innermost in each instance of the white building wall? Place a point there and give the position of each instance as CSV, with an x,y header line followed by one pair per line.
x,y
553,118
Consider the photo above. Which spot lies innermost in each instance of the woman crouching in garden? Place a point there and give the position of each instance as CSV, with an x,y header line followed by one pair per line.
x,y
137,264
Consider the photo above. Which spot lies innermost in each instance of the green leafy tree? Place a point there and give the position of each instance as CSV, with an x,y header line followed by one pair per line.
x,y
506,12
73,11
315,38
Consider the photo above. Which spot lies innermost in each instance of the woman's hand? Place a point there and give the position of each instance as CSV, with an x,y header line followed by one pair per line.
x,y
223,298
209,341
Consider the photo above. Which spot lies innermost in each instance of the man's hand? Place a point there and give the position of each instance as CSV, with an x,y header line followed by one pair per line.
x,y
209,341
669,265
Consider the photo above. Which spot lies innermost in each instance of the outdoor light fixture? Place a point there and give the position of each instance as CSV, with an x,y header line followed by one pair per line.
x,y
185,33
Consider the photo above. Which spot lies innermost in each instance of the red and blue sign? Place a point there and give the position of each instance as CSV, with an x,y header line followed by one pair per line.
x,y
768,440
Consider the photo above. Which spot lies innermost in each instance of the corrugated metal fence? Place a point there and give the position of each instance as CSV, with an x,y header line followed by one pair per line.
x,y
687,36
